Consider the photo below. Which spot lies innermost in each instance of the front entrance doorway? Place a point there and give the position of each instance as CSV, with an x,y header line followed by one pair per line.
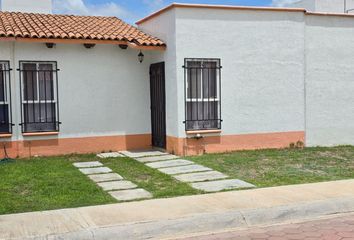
x,y
158,105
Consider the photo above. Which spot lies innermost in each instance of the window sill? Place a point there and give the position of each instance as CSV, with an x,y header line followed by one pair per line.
x,y
203,131
40,134
5,135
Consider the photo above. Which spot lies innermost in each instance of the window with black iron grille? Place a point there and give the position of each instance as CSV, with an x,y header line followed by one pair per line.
x,y
5,98
39,96
202,94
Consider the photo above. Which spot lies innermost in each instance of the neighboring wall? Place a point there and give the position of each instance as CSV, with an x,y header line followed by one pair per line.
x,y
104,96
330,80
309,5
332,6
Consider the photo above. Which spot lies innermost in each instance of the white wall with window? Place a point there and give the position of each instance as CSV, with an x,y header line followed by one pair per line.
x,y
102,91
262,58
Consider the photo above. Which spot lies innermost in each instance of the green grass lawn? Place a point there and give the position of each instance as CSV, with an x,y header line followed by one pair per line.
x,y
53,182
267,168
45,184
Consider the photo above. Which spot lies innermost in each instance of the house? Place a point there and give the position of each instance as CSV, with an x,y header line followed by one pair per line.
x,y
190,79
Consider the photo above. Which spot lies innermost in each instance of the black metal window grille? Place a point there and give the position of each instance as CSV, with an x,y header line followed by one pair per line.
x,y
5,98
39,97
202,94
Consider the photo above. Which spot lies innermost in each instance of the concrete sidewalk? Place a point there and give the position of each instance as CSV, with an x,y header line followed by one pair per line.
x,y
167,218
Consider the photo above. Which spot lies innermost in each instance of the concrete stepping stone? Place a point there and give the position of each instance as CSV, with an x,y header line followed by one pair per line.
x,y
156,158
87,164
170,163
128,195
110,155
117,185
89,171
216,186
200,177
105,177
139,154
184,169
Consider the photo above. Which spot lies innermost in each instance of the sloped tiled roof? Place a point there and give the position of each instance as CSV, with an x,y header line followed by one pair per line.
x,y
52,26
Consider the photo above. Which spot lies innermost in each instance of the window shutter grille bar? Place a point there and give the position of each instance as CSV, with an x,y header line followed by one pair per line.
x,y
202,109
6,98
39,96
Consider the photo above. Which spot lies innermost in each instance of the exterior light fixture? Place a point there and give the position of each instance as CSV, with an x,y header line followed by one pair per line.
x,y
141,57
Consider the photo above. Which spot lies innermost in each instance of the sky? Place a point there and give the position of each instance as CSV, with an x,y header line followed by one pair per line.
x,y
133,10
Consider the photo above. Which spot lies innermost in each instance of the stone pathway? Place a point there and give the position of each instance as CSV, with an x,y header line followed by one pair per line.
x,y
109,155
113,183
200,177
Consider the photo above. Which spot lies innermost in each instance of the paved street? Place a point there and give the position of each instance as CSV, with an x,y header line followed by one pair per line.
x,y
339,228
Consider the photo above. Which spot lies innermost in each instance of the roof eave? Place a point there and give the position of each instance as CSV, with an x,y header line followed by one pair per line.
x,y
83,41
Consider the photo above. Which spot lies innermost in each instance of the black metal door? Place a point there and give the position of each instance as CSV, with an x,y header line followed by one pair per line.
x,y
158,104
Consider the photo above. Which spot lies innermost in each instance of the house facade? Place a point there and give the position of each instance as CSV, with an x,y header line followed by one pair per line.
x,y
212,79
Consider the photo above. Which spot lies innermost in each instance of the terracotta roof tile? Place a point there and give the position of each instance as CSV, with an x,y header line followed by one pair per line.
x,y
49,26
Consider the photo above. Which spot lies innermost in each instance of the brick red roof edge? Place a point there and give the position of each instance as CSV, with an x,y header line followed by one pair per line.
x,y
53,26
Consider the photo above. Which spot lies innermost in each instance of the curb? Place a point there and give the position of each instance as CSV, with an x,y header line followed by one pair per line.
x,y
174,228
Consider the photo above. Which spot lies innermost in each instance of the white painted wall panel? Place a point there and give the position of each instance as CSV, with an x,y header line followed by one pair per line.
x,y
263,66
330,81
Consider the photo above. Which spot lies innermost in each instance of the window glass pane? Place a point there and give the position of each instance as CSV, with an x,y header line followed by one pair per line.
x,y
46,86
4,118
202,115
39,117
2,79
29,81
209,80
194,79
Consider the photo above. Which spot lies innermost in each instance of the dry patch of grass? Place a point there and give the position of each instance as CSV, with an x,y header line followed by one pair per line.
x,y
266,168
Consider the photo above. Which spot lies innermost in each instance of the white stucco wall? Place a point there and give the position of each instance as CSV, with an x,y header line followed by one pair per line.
x,y
263,66
164,27
103,91
330,80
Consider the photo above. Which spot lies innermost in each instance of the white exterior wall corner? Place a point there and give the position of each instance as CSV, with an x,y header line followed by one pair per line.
x,y
163,26
329,80
103,91
262,54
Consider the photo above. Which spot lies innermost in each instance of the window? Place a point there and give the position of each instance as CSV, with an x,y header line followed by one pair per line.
x,y
5,98
39,97
202,94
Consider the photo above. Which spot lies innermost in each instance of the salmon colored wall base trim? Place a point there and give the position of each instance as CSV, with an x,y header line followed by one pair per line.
x,y
226,143
62,146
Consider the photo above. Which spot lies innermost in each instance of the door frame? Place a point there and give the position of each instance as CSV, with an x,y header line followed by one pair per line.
x,y
162,101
